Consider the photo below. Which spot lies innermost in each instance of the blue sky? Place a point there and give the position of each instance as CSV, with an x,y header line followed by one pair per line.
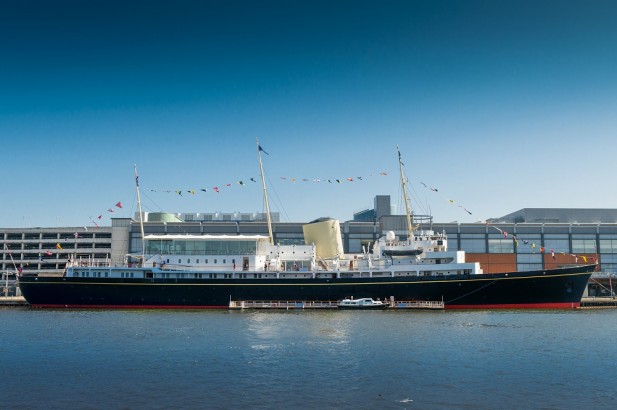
x,y
499,105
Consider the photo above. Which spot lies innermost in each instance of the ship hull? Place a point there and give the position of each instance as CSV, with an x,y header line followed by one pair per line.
x,y
544,289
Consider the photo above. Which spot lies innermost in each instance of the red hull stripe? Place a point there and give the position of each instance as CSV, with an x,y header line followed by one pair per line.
x,y
52,306
558,305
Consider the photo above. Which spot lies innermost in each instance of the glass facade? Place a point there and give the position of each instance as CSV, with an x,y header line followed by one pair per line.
x,y
608,263
584,246
526,243
200,247
608,245
558,243
472,242
500,245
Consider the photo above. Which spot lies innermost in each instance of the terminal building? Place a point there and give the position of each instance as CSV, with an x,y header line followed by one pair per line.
x,y
531,238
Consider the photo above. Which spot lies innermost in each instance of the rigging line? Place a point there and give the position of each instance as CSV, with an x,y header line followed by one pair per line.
x,y
601,285
473,291
416,199
278,200
153,202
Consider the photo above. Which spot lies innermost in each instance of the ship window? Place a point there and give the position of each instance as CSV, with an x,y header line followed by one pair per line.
x,y
197,261
224,260
179,260
195,276
206,261
188,261
215,261
233,261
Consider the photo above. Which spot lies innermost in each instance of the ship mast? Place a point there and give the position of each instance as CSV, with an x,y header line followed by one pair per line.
x,y
141,218
408,216
263,184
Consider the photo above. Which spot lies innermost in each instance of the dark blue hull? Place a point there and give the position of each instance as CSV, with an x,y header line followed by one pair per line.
x,y
558,288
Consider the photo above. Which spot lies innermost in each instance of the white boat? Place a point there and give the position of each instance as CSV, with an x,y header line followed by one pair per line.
x,y
361,304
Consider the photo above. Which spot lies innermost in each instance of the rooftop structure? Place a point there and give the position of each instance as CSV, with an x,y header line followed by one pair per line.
x,y
559,215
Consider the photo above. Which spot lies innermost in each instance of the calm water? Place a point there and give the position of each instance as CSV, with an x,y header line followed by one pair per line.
x,y
308,359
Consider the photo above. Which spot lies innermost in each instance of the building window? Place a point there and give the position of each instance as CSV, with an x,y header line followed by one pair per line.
x,y
528,243
584,246
500,246
558,245
608,246
473,245
609,263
